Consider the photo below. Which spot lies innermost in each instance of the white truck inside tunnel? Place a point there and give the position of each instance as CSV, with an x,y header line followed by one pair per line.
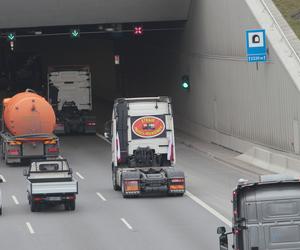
x,y
230,102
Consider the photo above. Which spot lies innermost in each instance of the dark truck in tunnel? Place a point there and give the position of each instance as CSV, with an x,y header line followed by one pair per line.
x,y
143,147
266,215
70,93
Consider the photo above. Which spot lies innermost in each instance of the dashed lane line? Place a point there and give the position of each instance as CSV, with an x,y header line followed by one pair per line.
x,y
101,196
30,229
127,224
15,199
79,175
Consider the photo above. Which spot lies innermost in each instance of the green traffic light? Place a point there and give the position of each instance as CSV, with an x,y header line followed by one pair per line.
x,y
185,85
75,33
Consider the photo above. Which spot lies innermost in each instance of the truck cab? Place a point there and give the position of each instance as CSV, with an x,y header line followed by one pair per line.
x,y
143,147
266,215
50,182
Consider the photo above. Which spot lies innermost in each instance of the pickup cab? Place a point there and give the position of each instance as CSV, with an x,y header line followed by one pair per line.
x,y
50,182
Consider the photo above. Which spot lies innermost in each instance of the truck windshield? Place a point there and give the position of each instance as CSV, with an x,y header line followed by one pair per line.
x,y
48,167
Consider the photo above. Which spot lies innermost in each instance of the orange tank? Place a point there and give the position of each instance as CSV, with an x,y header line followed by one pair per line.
x,y
28,113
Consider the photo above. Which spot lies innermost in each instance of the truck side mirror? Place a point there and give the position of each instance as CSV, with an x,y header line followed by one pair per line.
x,y
25,172
221,230
107,130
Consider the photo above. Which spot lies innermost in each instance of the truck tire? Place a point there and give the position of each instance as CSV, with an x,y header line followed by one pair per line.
x,y
72,205
114,179
0,210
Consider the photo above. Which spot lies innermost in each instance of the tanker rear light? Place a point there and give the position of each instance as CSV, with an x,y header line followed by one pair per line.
x,y
50,142
13,151
13,143
53,150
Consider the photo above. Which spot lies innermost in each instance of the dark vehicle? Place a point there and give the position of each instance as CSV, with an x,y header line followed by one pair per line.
x,y
266,215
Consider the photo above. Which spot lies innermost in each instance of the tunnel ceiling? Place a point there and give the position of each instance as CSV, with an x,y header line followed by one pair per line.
x,y
36,13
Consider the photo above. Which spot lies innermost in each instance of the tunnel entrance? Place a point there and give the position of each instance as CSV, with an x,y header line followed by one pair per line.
x,y
125,60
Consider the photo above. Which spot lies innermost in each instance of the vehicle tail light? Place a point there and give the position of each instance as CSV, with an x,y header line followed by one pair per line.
x,y
131,186
90,123
177,180
13,151
70,197
177,184
177,187
50,142
37,198
53,150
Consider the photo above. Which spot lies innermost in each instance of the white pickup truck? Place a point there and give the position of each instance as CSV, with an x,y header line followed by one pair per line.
x,y
50,182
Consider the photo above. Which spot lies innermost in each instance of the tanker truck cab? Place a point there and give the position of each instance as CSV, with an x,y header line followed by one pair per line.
x,y
143,147
50,182
266,215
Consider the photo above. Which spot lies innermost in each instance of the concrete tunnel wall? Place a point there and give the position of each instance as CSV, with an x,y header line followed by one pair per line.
x,y
231,99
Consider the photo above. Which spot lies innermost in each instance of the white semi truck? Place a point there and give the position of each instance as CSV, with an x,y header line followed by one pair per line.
x,y
50,182
266,215
70,93
143,147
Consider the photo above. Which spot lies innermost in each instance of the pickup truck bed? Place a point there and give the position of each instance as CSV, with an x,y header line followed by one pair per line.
x,y
53,187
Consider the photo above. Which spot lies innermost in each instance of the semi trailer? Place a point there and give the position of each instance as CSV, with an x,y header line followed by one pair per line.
x,y
266,215
143,147
50,182
70,93
28,121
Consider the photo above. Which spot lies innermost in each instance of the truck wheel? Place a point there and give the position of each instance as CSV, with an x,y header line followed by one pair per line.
x,y
0,210
114,180
67,205
72,205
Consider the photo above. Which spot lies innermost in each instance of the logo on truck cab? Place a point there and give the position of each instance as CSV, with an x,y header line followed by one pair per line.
x,y
147,127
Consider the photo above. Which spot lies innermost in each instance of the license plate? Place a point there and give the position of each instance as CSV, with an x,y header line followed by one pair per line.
x,y
54,198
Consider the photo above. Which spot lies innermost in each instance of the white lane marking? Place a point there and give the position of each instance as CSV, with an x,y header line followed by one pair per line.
x,y
126,224
3,179
15,199
103,138
80,176
101,196
209,209
29,228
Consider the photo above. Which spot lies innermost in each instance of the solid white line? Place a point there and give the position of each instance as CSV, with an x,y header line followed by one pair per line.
x,y
1,176
209,209
127,224
15,199
80,176
29,227
101,196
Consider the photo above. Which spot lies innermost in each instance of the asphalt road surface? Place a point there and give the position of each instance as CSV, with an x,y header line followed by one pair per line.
x,y
104,220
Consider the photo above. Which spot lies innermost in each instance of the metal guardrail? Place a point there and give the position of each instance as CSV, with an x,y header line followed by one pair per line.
x,y
281,31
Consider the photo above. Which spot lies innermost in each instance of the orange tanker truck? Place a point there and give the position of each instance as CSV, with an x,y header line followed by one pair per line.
x,y
28,122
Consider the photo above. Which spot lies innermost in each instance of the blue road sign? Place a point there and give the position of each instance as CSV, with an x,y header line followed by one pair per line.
x,y
256,45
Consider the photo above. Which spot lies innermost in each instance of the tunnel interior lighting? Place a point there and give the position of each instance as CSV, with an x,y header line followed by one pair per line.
x,y
75,33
